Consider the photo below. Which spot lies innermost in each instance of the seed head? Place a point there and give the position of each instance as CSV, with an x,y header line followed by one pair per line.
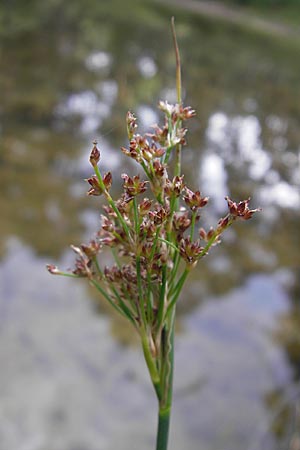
x,y
133,186
145,206
92,249
95,155
53,269
131,124
181,223
190,251
194,199
241,209
95,188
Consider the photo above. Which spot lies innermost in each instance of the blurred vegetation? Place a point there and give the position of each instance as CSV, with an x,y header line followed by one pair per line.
x,y
266,2
285,11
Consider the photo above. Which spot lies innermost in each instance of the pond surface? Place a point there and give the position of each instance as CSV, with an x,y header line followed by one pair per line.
x,y
72,376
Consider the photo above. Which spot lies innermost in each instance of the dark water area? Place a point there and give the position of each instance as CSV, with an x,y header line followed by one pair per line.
x,y
72,376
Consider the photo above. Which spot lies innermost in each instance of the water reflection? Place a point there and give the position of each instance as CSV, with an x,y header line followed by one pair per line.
x,y
68,74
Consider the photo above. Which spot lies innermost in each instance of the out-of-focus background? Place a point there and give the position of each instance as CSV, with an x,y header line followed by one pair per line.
x,y
71,374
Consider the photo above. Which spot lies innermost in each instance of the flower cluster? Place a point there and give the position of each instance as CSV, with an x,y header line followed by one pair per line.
x,y
152,233
151,229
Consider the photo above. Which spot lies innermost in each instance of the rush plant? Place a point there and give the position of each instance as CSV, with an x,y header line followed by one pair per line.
x,y
152,234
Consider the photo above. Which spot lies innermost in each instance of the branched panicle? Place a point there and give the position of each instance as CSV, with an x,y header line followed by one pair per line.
x,y
149,236
153,238
152,233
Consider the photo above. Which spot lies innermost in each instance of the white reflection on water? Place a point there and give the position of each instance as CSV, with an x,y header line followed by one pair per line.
x,y
98,61
92,106
242,134
169,94
217,131
276,124
146,118
238,141
66,384
247,131
147,66
281,194
226,338
214,179
87,105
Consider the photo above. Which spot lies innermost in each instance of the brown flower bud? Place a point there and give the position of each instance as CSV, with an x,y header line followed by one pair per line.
x,y
145,206
178,185
95,155
181,223
210,233
133,151
106,223
53,269
194,199
241,209
159,168
223,224
159,215
160,135
190,251
133,186
107,180
186,112
83,263
131,124
95,186
92,249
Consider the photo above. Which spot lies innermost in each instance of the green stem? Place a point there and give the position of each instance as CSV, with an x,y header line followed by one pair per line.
x,y
178,88
178,64
146,170
151,364
215,236
138,263
193,221
168,153
176,262
162,297
107,297
177,290
163,429
167,356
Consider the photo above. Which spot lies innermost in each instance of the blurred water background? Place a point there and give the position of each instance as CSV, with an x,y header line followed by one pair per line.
x,y
71,374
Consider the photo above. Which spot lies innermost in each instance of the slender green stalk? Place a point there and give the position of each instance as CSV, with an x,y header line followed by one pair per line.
x,y
138,264
194,215
167,355
214,237
178,63
163,429
108,298
177,290
154,375
167,344
162,298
